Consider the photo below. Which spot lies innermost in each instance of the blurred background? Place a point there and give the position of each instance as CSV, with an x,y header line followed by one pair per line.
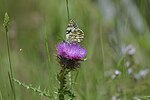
x,y
117,38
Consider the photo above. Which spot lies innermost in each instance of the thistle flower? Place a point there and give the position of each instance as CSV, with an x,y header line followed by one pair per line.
x,y
70,54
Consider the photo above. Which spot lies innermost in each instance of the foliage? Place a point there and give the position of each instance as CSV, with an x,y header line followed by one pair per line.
x,y
112,30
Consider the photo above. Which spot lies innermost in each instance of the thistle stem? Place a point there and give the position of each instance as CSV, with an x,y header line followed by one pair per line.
x,y
62,83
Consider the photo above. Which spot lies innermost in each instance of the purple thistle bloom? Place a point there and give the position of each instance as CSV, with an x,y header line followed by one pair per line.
x,y
69,54
72,51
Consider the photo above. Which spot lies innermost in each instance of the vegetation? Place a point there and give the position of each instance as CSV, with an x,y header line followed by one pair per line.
x,y
116,39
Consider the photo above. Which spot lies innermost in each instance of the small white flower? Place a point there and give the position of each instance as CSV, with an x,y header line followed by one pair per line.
x,y
143,72
129,49
117,72
130,70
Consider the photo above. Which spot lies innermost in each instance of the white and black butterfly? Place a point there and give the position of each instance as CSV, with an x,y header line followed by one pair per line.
x,y
73,33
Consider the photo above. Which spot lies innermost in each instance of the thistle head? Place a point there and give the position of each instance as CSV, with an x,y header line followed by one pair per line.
x,y
70,54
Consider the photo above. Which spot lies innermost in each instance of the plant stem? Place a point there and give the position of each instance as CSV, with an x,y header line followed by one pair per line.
x,y
6,22
62,82
37,90
67,10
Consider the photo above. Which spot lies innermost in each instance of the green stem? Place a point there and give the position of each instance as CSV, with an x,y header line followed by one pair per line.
x,y
67,10
63,89
6,22
103,60
37,90
62,82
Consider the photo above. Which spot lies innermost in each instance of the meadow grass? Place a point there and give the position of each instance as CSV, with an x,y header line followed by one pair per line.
x,y
37,26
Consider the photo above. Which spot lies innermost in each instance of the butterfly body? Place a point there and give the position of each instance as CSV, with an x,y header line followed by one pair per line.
x,y
73,33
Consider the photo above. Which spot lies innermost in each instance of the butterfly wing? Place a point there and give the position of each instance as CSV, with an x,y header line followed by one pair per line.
x,y
73,33
77,36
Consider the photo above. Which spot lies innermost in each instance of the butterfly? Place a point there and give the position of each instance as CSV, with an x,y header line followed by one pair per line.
x,y
73,33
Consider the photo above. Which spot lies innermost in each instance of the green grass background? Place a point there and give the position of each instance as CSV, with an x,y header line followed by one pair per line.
x,y
36,26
